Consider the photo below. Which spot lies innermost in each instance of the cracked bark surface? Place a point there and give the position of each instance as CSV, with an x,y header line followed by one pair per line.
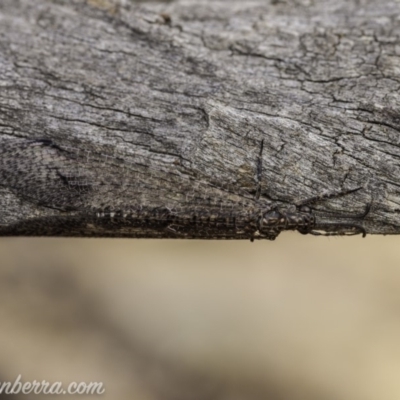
x,y
190,119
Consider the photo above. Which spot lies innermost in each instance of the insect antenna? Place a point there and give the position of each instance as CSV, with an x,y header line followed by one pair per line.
x,y
326,196
347,216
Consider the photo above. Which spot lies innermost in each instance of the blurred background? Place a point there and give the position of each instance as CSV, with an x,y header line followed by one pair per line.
x,y
298,318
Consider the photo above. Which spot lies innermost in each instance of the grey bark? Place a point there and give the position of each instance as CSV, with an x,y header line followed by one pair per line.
x,y
191,119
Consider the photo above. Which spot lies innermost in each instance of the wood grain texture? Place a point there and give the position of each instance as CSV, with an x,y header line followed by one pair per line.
x,y
192,119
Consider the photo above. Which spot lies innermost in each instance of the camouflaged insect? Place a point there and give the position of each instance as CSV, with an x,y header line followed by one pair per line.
x,y
84,193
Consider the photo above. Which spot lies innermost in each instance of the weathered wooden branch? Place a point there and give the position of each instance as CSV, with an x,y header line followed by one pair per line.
x,y
193,119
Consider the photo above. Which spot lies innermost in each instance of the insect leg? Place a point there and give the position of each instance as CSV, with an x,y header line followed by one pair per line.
x,y
352,229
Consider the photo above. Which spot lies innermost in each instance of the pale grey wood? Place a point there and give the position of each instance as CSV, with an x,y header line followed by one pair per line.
x,y
167,104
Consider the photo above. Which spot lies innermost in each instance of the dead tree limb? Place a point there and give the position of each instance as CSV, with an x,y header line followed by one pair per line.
x,y
208,120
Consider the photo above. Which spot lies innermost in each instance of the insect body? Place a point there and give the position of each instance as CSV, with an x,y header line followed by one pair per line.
x,y
75,197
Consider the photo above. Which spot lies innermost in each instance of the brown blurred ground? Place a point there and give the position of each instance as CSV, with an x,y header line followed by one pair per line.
x,y
299,318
